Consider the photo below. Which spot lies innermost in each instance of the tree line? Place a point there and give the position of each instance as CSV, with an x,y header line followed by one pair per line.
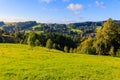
x,y
51,41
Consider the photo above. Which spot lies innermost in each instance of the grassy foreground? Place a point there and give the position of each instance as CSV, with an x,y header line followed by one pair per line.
x,y
19,62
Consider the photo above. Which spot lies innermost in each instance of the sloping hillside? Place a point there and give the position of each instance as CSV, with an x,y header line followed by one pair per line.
x,y
20,62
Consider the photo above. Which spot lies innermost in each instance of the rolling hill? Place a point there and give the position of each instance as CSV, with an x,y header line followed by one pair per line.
x,y
21,62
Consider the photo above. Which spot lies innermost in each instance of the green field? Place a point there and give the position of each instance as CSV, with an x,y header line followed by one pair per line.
x,y
20,62
77,30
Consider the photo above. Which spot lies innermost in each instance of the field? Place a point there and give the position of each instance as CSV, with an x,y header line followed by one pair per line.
x,y
20,62
76,30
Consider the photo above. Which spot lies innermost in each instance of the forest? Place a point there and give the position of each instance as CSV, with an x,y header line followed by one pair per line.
x,y
97,38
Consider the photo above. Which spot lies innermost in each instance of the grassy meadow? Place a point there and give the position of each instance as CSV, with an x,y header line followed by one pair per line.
x,y
20,62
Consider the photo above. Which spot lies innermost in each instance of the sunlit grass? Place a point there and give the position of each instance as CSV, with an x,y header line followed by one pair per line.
x,y
76,30
21,62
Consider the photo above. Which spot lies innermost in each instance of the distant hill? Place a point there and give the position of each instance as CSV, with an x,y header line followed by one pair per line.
x,y
1,23
25,25
18,26
59,28
88,24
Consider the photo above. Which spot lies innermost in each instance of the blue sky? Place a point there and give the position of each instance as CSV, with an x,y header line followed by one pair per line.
x,y
59,11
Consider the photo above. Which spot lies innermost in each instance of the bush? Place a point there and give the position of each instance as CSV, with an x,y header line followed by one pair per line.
x,y
75,50
118,53
54,46
66,49
37,43
71,50
49,44
111,52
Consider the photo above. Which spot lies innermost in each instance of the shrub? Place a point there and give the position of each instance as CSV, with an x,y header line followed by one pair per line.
x,y
71,50
37,42
66,49
49,44
111,52
118,53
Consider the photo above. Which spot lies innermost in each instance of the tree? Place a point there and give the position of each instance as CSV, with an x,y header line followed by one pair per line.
x,y
1,40
86,46
66,49
1,32
49,44
54,46
99,44
21,41
108,36
31,39
111,52
75,50
71,50
118,53
58,47
17,36
37,42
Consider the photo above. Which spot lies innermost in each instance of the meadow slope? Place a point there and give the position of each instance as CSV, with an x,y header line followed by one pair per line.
x,y
20,62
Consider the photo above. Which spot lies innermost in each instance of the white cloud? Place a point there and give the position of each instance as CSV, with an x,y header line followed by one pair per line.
x,y
100,4
75,7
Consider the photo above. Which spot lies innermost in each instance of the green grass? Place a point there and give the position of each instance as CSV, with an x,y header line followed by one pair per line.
x,y
76,30
37,32
20,62
36,26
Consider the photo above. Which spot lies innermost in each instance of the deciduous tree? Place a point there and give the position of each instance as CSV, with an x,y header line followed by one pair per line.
x,y
49,44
